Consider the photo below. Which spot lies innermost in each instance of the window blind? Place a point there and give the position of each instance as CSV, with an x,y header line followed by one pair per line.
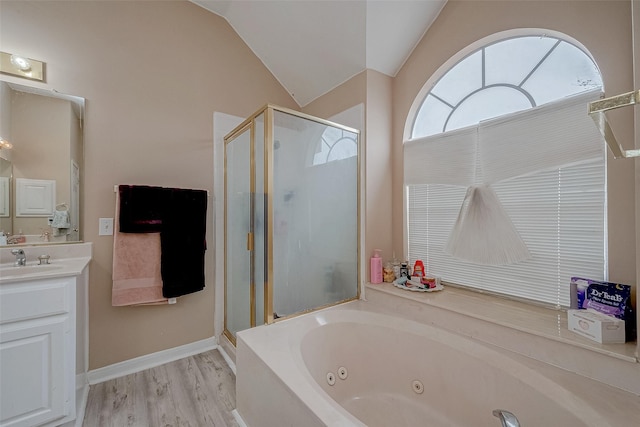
x,y
558,209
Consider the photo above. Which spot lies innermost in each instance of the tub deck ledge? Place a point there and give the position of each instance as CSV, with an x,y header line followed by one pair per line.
x,y
533,331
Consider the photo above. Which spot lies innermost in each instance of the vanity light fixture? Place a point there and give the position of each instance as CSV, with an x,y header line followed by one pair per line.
x,y
21,66
597,111
5,144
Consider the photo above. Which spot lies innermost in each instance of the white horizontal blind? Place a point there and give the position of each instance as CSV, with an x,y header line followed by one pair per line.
x,y
541,138
560,215
546,166
426,160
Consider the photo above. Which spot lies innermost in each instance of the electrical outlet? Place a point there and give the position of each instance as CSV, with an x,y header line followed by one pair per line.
x,y
105,227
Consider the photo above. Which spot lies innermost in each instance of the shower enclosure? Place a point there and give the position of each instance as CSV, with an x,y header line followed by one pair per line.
x,y
291,217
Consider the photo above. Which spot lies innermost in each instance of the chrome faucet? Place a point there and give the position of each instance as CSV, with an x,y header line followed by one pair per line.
x,y
506,417
21,258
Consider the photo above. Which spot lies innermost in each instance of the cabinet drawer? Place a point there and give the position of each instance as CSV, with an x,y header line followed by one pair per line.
x,y
29,300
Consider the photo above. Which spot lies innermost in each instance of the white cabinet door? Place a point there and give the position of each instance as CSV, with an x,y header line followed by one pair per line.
x,y
32,371
35,197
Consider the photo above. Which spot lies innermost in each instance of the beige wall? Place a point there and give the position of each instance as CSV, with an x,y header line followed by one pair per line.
x,y
5,172
5,155
76,148
603,27
41,137
379,164
77,157
348,94
152,73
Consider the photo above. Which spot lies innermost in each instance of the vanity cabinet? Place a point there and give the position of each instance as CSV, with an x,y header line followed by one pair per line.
x,y
38,351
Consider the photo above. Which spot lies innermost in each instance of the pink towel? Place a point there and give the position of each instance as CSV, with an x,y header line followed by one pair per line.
x,y
136,267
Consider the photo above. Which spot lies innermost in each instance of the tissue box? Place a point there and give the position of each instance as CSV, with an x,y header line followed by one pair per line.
x,y
596,326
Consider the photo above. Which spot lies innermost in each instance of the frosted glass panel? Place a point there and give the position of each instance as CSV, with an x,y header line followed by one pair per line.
x,y
238,214
315,214
259,231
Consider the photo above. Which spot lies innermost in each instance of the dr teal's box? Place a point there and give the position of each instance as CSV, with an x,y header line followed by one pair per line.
x,y
608,298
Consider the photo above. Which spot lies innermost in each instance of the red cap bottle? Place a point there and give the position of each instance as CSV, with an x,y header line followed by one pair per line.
x,y
418,269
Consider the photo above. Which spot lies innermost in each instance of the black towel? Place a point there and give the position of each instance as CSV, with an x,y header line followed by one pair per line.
x,y
141,209
180,216
183,241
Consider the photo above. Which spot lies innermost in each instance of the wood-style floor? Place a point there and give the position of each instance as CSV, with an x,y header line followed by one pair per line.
x,y
195,391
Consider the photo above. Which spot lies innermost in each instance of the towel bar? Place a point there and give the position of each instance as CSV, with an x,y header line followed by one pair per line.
x,y
115,188
597,111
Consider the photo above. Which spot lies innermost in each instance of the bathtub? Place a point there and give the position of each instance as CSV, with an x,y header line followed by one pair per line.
x,y
350,366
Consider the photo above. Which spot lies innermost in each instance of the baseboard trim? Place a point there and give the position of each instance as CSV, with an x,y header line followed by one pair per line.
x,y
81,380
147,361
238,418
227,359
82,393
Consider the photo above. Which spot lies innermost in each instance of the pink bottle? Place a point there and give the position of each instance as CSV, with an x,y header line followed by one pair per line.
x,y
376,267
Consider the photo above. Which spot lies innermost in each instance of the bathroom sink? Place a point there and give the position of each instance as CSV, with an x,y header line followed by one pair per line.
x,y
9,272
65,261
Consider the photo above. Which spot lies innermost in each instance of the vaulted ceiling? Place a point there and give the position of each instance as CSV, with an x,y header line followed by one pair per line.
x,y
312,46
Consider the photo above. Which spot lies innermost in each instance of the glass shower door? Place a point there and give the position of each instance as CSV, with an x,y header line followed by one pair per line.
x,y
245,228
238,237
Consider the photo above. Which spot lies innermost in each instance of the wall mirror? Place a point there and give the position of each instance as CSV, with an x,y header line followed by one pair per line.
x,y
40,175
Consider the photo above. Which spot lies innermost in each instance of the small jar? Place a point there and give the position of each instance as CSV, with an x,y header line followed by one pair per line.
x,y
396,268
387,273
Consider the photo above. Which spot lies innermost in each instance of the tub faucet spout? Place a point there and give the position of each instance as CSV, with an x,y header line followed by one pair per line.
x,y
21,259
506,418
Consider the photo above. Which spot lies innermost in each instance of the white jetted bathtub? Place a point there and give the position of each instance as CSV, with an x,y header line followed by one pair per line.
x,y
346,366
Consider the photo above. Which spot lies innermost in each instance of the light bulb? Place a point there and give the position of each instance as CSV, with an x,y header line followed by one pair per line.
x,y
21,62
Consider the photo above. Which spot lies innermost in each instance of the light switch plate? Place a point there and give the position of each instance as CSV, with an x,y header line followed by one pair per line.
x,y
105,227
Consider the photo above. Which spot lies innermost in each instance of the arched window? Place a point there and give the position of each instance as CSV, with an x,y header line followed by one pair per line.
x,y
335,144
505,172
503,77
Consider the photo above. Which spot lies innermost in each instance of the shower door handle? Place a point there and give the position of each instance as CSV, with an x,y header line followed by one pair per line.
x,y
249,241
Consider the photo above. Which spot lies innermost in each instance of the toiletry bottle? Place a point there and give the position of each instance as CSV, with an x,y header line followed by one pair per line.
x,y
396,267
418,269
376,267
3,238
404,269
